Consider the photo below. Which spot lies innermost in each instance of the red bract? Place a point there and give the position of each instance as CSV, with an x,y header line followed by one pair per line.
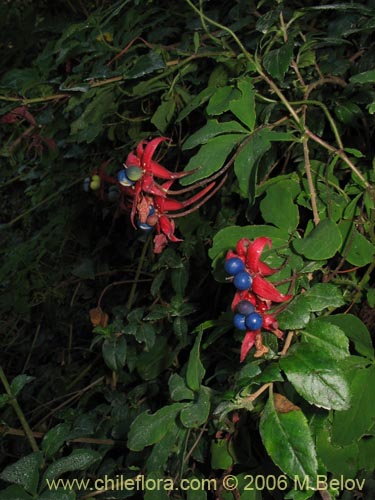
x,y
262,293
148,201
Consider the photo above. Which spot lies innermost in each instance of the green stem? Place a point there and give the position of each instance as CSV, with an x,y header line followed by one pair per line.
x,y
16,407
137,274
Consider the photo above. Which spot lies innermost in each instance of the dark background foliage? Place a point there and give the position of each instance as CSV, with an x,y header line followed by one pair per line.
x,y
158,389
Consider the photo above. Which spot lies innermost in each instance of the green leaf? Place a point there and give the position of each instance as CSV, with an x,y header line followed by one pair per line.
x,y
164,114
356,249
146,333
79,459
288,441
178,388
352,424
311,246
179,279
277,61
195,370
365,77
19,382
246,161
55,438
114,353
24,472
327,337
196,102
91,122
148,429
145,65
211,157
15,492
151,363
297,313
196,414
244,107
59,494
221,100
212,129
220,456
317,377
161,450
366,455
278,195
356,330
341,461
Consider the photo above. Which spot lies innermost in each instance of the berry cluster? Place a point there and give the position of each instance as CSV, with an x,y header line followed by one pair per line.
x,y
255,296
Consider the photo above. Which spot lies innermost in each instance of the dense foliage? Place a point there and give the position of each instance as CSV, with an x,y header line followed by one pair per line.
x,y
120,361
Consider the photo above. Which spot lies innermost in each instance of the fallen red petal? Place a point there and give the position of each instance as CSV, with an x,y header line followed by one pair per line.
x,y
247,343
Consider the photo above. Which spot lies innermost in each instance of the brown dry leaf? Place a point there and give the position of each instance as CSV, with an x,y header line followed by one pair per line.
x,y
98,317
283,405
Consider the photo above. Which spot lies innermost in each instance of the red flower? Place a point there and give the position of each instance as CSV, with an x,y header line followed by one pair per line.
x,y
262,293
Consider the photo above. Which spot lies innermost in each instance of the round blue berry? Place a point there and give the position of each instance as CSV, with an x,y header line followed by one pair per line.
x,y
245,307
239,321
151,210
254,321
234,265
123,179
242,281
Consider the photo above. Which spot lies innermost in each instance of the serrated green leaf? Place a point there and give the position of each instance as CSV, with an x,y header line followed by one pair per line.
x,y
296,314
220,456
148,429
178,388
211,157
158,312
161,450
277,61
157,282
55,438
195,370
151,363
311,246
317,377
164,114
24,472
179,279
327,337
288,441
355,330
212,129
79,459
366,455
196,102
196,413
350,425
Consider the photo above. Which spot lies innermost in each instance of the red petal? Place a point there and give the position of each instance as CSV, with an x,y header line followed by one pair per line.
x,y
267,291
149,151
230,255
170,204
254,252
241,247
160,241
247,343
159,171
140,148
132,161
199,195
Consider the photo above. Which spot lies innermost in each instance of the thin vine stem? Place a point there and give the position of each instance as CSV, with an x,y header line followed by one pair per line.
x,y
137,274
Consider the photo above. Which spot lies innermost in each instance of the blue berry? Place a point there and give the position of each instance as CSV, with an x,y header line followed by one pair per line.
x,y
151,210
144,226
242,281
254,321
245,307
239,321
86,184
123,179
234,265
